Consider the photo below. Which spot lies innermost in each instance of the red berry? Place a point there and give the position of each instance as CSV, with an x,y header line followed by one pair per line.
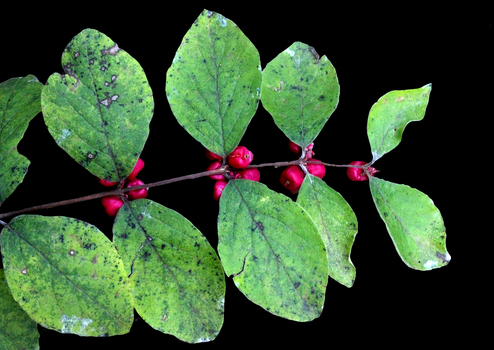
x,y
318,170
107,183
240,157
358,174
294,147
136,194
291,178
249,174
112,204
212,156
213,166
218,189
138,167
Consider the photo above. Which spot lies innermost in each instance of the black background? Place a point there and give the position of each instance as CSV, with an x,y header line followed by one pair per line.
x,y
374,50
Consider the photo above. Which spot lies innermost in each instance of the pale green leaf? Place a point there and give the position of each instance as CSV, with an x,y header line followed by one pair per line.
x,y
301,91
391,113
99,110
19,103
177,278
17,330
413,222
337,225
272,249
67,275
214,82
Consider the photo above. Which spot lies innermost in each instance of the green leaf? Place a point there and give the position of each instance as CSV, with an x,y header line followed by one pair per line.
x,y
213,83
17,330
337,225
413,222
19,103
67,275
272,249
300,90
178,281
99,110
391,113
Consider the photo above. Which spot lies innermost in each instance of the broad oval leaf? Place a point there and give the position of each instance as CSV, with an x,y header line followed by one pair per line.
x,y
67,275
337,225
214,82
19,103
99,110
301,91
17,330
413,222
272,249
391,113
177,278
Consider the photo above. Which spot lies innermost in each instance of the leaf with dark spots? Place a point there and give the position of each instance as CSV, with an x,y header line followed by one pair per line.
x,y
62,285
203,83
19,104
88,113
413,222
299,110
162,246
271,253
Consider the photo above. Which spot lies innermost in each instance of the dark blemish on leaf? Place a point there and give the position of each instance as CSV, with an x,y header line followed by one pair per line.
x,y
196,244
163,246
322,98
260,225
61,237
315,54
198,262
89,246
111,51
442,256
385,214
296,285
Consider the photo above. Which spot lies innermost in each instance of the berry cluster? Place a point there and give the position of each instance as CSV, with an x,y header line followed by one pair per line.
x,y
113,203
358,174
239,159
292,177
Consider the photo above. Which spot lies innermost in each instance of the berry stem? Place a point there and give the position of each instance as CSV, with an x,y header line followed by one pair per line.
x,y
121,191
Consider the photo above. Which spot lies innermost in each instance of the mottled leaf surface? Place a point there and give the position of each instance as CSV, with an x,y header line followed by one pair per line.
x,y
178,281
391,113
99,110
17,330
19,103
337,225
301,91
67,275
270,246
413,222
214,82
